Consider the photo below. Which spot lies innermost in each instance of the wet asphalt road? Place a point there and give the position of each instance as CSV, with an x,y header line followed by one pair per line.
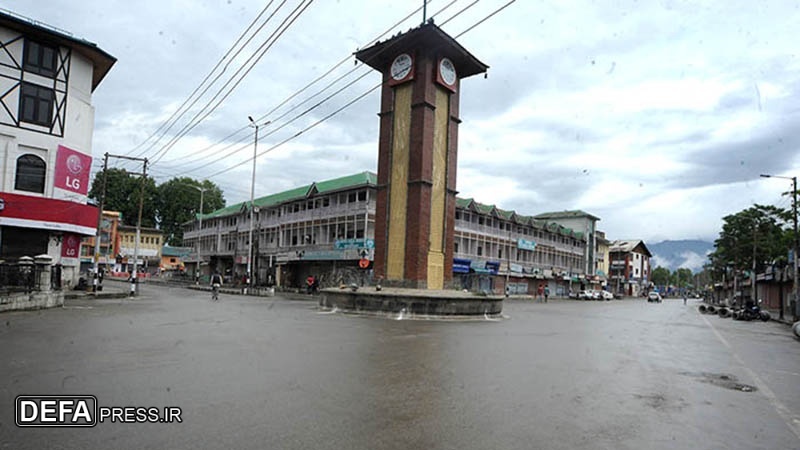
x,y
254,373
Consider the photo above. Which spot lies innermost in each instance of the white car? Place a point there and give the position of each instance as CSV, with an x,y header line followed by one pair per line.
x,y
654,297
606,295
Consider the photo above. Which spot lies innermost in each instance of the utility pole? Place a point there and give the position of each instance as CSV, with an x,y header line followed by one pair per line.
x,y
796,247
139,227
96,281
252,205
508,259
200,229
795,282
139,220
753,290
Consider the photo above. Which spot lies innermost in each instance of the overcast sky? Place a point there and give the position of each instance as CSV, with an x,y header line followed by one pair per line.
x,y
656,116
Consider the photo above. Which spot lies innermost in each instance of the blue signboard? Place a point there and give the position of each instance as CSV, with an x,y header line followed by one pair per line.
x,y
461,265
523,244
343,244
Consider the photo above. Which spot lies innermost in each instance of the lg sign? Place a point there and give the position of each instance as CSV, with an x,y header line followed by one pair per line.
x,y
72,170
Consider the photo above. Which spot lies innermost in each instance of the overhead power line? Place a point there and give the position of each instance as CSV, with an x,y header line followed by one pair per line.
x,y
252,61
347,105
215,157
183,108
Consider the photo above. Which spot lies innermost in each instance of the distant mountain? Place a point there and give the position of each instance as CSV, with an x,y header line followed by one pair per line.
x,y
690,254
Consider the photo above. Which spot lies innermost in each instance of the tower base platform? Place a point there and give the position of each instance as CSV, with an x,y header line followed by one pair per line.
x,y
420,303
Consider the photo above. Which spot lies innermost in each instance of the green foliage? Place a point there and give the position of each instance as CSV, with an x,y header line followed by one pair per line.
x,y
759,234
682,277
123,191
179,202
660,276
168,205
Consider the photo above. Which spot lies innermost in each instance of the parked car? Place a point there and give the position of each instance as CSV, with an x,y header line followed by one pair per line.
x,y
585,295
654,297
606,295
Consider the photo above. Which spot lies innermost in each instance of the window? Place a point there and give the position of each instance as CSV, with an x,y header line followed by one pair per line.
x,y
30,174
455,247
351,197
362,196
480,251
36,104
40,59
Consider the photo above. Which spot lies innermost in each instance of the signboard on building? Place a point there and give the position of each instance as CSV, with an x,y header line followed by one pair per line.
x,y
524,244
343,244
70,249
72,173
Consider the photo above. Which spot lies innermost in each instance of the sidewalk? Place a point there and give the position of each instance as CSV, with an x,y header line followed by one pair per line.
x,y
111,289
787,316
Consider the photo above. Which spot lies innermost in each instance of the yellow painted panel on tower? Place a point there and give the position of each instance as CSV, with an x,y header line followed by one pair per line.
x,y
398,187
435,270
438,189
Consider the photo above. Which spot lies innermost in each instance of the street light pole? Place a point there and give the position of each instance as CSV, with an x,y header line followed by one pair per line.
x,y
96,278
795,282
199,230
252,205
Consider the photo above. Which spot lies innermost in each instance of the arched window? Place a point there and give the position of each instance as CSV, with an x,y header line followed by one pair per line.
x,y
30,174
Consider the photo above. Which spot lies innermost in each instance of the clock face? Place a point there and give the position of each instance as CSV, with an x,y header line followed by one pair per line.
x,y
401,66
447,71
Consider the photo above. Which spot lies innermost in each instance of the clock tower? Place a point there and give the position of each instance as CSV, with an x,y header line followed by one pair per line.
x,y
417,155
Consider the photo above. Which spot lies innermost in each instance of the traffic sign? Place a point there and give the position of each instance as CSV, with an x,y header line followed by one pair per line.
x,y
363,263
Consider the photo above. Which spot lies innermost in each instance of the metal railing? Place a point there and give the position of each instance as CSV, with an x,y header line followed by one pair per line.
x,y
18,277
27,277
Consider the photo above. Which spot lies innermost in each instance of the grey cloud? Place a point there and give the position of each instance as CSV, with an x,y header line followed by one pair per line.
x,y
772,151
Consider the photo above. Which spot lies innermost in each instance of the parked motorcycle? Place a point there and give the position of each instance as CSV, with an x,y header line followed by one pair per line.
x,y
751,311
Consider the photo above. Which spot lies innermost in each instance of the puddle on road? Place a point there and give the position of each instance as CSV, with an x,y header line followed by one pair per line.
x,y
723,380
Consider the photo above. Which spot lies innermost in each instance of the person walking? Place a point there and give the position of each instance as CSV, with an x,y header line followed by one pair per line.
x,y
216,283
684,298
546,293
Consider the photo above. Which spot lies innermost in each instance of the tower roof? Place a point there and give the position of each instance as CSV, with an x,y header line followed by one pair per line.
x,y
427,38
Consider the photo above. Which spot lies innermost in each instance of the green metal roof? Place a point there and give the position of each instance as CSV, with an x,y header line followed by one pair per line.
x,y
483,209
463,202
503,214
565,215
322,187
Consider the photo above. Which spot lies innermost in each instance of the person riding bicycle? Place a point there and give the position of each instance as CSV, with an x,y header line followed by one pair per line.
x,y
216,282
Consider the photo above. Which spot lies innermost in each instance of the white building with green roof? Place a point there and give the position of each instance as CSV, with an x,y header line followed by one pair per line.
x,y
321,229
325,228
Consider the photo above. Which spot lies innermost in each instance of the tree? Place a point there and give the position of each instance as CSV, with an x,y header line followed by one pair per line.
x,y
179,202
757,235
681,278
122,194
660,276
167,206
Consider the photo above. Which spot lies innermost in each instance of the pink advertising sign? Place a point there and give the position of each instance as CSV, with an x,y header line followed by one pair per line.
x,y
70,245
72,170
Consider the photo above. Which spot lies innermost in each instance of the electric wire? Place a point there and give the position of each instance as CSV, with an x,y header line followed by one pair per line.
x,y
303,89
330,115
176,115
217,157
262,50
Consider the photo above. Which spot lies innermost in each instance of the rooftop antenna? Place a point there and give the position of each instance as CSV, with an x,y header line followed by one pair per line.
x,y
424,11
